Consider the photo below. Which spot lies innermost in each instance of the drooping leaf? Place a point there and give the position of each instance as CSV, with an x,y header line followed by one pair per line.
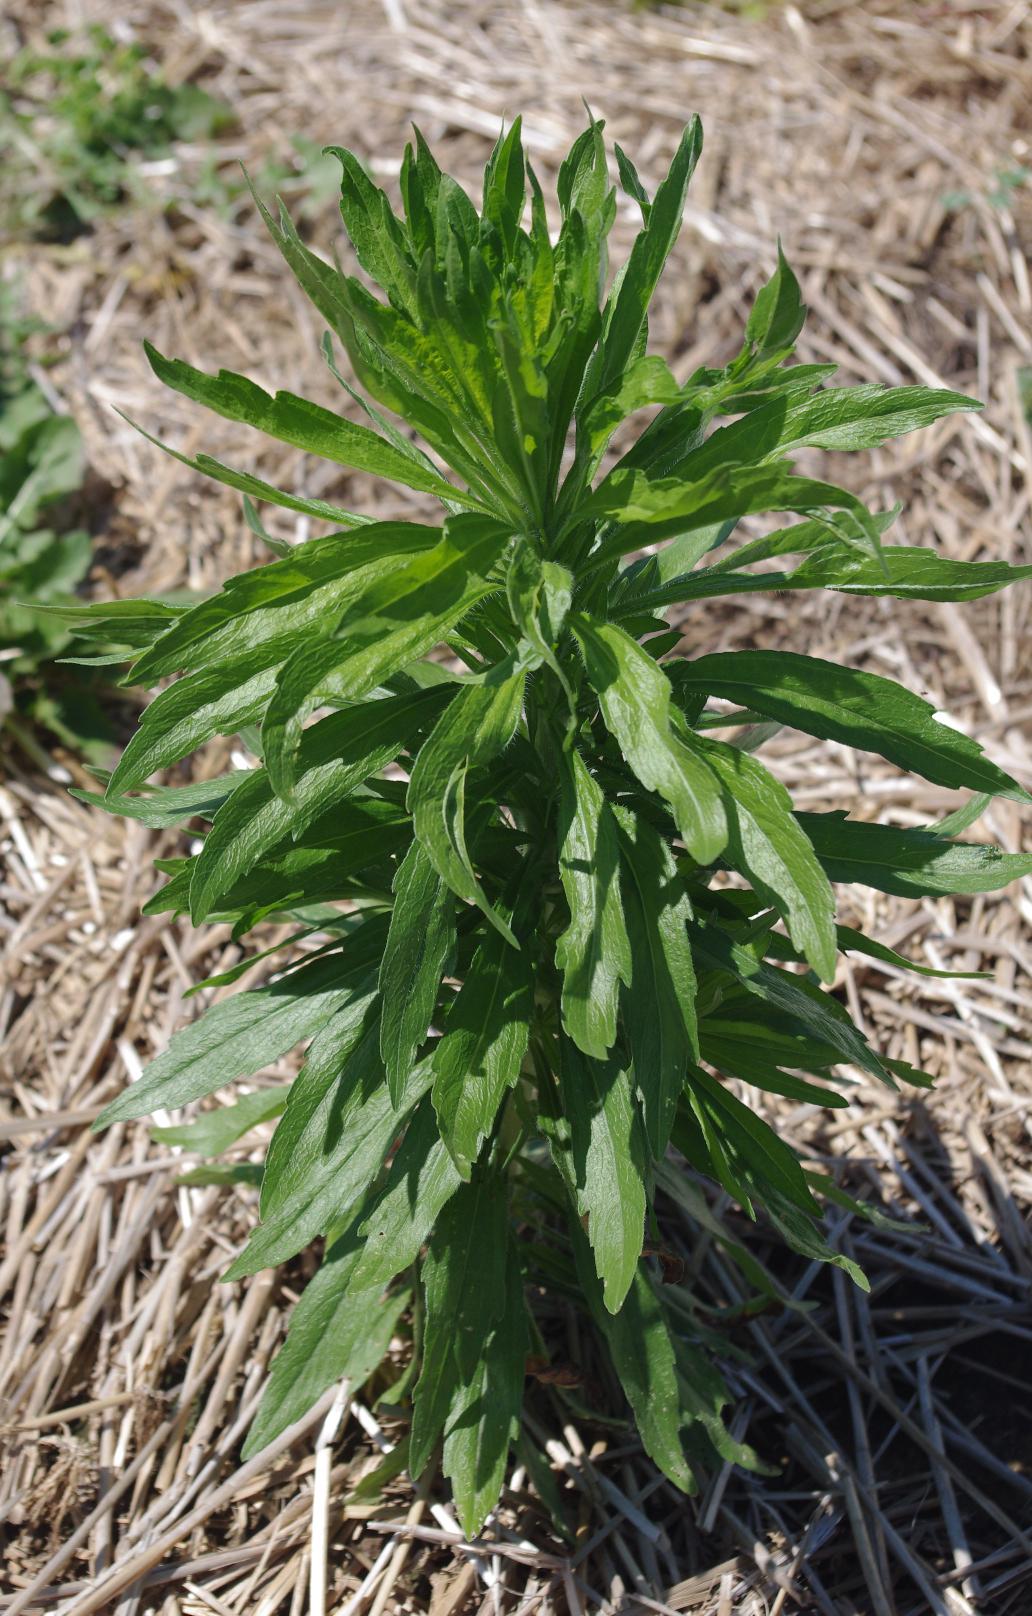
x,y
858,709
479,1056
337,1330
635,697
477,725
419,942
593,952
766,843
659,1007
484,1414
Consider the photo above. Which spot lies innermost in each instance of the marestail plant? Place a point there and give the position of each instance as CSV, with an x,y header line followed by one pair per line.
x,y
543,912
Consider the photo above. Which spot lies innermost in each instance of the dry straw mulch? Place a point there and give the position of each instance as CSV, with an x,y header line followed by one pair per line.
x,y
872,137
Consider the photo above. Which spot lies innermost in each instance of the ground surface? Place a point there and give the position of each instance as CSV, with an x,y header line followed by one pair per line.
x,y
876,139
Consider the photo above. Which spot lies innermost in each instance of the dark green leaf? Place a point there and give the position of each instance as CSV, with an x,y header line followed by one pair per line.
x,y
908,863
484,1415
635,698
238,1037
593,952
766,844
336,757
480,1055
419,943
477,725
858,709
659,1006
337,1330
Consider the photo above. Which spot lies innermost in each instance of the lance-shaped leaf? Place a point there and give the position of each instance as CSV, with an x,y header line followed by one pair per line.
x,y
597,1142
908,572
670,1410
856,942
478,724
816,1013
419,943
303,424
337,1330
466,1286
421,1180
858,709
335,758
766,844
908,863
635,698
254,487
394,621
316,580
241,1035
219,701
847,418
504,195
776,318
479,1057
333,1146
648,509
483,1420
593,952
215,1131
647,258
659,1008
164,806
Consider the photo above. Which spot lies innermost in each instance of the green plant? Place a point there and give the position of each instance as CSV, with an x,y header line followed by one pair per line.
x,y
581,911
42,557
74,115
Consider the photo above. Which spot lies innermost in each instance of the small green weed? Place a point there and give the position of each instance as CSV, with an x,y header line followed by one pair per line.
x,y
42,557
75,116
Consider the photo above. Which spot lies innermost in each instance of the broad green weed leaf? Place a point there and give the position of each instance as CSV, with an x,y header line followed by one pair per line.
x,y
606,1152
766,844
304,425
235,1038
908,573
395,620
336,756
484,1414
334,1154
421,1180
